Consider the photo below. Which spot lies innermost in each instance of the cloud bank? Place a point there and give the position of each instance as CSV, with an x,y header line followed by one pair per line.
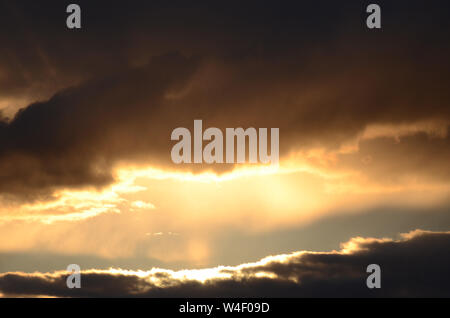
x,y
113,92
414,266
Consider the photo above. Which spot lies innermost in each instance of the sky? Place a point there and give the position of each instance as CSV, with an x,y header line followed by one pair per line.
x,y
86,175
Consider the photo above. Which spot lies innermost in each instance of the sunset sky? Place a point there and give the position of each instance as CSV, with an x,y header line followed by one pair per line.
x,y
86,175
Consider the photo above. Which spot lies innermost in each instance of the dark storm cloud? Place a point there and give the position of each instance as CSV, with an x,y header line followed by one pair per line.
x,y
311,69
389,160
72,139
39,54
415,266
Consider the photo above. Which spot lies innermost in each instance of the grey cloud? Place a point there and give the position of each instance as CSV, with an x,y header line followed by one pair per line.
x,y
112,93
73,139
389,160
415,266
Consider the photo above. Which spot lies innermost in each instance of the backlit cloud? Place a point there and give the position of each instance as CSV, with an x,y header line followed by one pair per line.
x,y
413,266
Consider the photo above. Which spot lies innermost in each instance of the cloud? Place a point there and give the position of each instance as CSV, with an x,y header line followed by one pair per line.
x,y
72,139
413,266
113,92
77,138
